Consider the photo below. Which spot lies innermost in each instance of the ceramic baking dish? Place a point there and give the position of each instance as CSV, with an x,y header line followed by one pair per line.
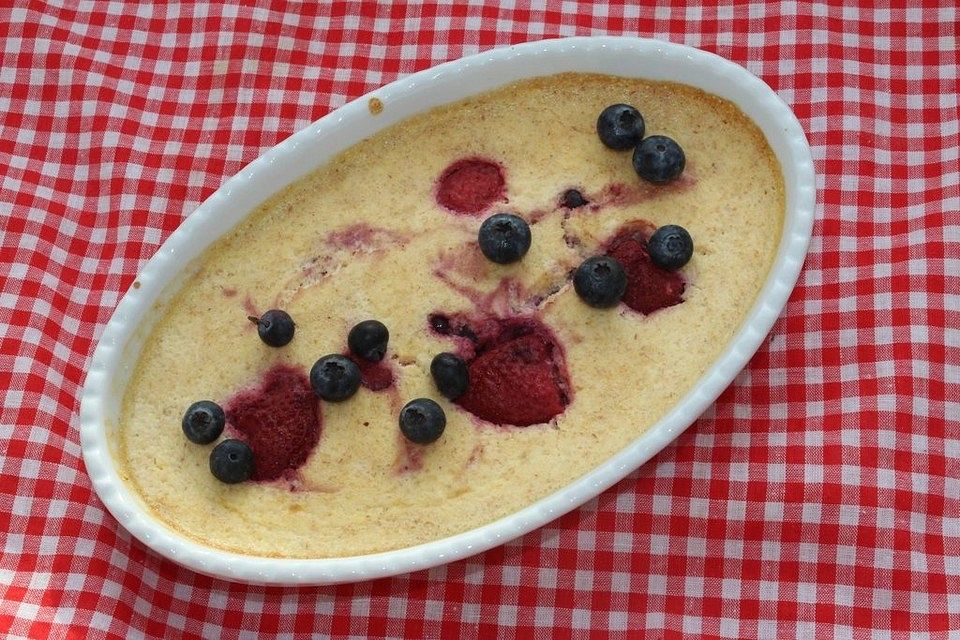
x,y
303,152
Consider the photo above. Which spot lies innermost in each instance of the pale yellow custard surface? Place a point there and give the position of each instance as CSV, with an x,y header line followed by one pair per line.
x,y
363,237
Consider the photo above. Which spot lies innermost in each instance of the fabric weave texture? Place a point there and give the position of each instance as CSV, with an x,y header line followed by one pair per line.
x,y
818,498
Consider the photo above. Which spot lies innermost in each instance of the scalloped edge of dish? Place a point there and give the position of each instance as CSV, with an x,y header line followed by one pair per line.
x,y
311,147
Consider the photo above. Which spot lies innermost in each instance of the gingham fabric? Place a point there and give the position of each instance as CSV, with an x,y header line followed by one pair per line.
x,y
818,498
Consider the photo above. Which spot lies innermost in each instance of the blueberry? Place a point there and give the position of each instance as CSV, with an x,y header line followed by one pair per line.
x,y
504,238
600,281
450,375
422,421
231,461
658,159
368,340
572,199
275,327
335,377
670,247
620,127
439,323
203,422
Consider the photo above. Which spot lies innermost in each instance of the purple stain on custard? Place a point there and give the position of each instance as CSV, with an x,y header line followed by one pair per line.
x,y
251,309
463,260
455,325
470,186
463,266
620,194
409,457
361,237
507,297
280,419
376,376
625,195
537,215
334,251
571,239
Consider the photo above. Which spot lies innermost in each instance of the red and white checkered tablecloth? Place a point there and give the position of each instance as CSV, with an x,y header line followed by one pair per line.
x,y
819,497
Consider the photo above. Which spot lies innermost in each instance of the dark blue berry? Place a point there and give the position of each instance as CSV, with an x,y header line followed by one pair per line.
x,y
275,327
450,375
658,159
422,421
335,377
670,247
600,281
572,199
439,323
620,127
203,422
231,461
504,238
368,340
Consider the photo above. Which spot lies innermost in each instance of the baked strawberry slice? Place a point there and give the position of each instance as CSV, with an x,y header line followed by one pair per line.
x,y
280,420
520,381
649,287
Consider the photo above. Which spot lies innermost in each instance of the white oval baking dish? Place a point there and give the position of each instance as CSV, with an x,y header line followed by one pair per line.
x,y
123,336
